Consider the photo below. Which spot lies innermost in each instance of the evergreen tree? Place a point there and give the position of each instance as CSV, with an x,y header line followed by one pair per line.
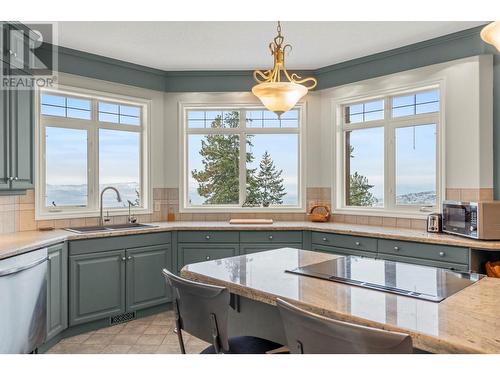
x,y
359,188
218,182
269,182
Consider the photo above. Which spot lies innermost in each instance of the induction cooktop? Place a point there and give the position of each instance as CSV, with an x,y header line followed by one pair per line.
x,y
422,282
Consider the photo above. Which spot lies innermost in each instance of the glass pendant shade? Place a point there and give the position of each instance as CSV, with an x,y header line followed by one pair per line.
x,y
278,90
279,97
491,34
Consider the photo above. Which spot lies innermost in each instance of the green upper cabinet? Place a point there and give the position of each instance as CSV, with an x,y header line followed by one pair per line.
x,y
16,126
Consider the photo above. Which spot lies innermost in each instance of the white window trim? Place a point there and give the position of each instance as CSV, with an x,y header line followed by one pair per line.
x,y
92,210
183,107
338,193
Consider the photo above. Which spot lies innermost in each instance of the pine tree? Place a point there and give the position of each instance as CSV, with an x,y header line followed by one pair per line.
x,y
218,182
359,188
359,191
270,182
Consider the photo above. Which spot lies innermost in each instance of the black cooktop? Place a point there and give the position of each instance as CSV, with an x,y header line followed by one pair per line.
x,y
427,283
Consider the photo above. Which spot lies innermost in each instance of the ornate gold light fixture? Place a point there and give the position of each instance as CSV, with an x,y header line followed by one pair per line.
x,y
277,95
491,34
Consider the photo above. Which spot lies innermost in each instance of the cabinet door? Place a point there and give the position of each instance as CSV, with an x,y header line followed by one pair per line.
x,y
248,248
195,253
4,141
145,284
57,290
97,286
21,138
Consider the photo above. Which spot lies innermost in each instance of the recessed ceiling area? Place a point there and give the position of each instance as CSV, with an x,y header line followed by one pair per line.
x,y
244,45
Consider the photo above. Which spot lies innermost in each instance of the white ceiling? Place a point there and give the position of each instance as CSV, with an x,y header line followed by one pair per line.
x,y
244,45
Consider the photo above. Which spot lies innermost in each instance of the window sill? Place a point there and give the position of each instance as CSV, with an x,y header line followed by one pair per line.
x,y
383,213
88,214
248,210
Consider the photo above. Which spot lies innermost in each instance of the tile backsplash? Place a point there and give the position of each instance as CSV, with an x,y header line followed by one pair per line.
x,y
17,213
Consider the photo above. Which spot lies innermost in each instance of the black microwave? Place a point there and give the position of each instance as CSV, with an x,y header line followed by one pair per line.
x,y
460,218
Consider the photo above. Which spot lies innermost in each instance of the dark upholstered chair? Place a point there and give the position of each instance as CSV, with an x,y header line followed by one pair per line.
x,y
308,333
202,310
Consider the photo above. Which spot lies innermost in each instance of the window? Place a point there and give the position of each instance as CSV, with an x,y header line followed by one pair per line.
x,y
243,158
88,142
388,159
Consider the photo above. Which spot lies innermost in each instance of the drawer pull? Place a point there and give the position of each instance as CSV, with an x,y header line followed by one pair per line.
x,y
325,239
207,237
442,254
270,237
396,248
129,257
357,243
124,259
207,257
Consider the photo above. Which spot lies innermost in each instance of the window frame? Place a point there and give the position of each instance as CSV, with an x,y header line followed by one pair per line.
x,y
390,124
242,131
92,126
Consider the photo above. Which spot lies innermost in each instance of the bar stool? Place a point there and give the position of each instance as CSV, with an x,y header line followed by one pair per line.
x,y
308,333
202,311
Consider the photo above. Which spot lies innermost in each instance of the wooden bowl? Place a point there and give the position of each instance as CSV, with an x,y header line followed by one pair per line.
x,y
319,213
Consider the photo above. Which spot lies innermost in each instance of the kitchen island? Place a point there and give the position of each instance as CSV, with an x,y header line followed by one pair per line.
x,y
466,322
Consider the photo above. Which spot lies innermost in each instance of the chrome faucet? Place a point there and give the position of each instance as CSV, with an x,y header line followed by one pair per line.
x,y
118,198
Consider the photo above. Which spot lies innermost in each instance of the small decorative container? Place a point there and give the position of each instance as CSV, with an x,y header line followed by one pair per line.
x,y
319,213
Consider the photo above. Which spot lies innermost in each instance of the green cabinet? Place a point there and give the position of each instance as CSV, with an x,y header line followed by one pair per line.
x,y
97,286
257,241
57,290
145,284
16,125
343,251
195,252
110,276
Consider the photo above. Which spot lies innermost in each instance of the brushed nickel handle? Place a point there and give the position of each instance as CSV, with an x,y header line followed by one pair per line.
x,y
396,248
10,178
357,243
325,239
270,237
207,237
207,257
129,257
124,259
442,254
16,178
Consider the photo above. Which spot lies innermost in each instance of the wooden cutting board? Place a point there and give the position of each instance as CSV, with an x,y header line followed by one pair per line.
x,y
251,221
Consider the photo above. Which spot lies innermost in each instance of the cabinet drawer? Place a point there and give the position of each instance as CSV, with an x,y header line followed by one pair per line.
x,y
208,236
271,236
119,242
426,262
345,241
258,247
439,253
195,253
342,251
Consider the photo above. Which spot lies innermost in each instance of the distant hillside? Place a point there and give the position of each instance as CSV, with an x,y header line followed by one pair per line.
x,y
422,198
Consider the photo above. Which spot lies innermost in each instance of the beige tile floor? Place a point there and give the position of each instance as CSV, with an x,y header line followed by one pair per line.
x,y
151,335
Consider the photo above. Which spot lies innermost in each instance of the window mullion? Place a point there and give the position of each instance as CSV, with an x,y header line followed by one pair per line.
x,y
242,161
94,160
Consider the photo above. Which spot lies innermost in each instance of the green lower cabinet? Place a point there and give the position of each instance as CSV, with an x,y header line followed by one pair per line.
x,y
197,252
145,284
250,248
97,286
57,290
425,262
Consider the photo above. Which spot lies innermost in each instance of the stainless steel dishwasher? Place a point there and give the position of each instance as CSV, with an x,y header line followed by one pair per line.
x,y
23,302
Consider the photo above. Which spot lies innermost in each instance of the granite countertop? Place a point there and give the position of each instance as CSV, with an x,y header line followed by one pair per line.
x,y
20,242
466,322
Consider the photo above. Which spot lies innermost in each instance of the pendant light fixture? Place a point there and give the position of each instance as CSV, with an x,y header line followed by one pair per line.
x,y
280,96
491,34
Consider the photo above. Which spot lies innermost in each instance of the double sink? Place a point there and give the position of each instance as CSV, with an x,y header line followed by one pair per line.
x,y
109,228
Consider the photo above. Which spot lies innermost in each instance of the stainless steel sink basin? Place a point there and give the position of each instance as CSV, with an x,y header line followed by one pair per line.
x,y
109,228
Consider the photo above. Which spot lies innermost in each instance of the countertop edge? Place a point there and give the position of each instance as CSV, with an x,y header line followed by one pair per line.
x,y
37,239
